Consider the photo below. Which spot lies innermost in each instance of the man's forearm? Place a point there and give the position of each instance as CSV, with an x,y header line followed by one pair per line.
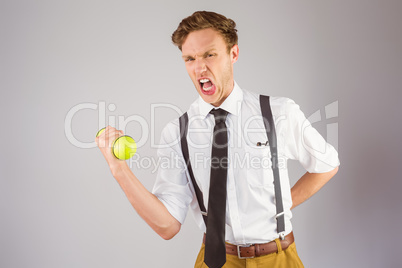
x,y
309,184
150,208
147,205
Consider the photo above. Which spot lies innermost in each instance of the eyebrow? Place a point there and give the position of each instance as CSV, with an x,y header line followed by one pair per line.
x,y
204,54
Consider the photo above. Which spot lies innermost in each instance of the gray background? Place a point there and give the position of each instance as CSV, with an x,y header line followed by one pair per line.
x,y
59,204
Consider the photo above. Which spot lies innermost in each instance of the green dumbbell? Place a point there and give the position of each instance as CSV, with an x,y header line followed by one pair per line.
x,y
123,148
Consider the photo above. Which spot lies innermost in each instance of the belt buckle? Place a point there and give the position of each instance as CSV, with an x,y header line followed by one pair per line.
x,y
239,252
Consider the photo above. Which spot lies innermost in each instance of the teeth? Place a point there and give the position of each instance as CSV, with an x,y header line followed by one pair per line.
x,y
203,81
207,88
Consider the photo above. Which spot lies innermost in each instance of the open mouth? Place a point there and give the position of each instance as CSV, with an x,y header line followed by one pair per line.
x,y
207,87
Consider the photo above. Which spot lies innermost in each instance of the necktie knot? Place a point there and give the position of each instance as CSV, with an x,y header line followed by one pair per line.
x,y
219,114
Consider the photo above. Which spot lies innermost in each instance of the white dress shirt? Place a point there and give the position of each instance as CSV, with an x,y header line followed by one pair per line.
x,y
250,206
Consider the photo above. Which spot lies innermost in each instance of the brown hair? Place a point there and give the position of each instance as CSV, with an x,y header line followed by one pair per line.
x,y
203,20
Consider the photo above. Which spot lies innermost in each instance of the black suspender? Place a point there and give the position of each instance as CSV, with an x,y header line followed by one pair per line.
x,y
271,134
184,148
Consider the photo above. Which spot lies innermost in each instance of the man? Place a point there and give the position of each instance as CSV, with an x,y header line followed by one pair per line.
x,y
208,42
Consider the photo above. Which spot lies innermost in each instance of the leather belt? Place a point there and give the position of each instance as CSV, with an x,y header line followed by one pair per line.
x,y
257,250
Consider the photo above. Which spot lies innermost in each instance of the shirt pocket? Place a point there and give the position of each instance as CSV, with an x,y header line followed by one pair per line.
x,y
259,166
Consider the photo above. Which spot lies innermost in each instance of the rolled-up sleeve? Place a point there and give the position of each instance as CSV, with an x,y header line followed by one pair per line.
x,y
171,186
305,144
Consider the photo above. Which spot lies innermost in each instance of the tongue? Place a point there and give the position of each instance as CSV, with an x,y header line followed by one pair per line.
x,y
207,84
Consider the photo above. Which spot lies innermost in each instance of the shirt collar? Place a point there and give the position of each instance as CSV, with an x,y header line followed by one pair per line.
x,y
232,103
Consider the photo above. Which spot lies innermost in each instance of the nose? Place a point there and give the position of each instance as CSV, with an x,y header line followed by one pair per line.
x,y
200,66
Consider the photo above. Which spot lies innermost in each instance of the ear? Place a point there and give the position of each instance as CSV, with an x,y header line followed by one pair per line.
x,y
234,53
